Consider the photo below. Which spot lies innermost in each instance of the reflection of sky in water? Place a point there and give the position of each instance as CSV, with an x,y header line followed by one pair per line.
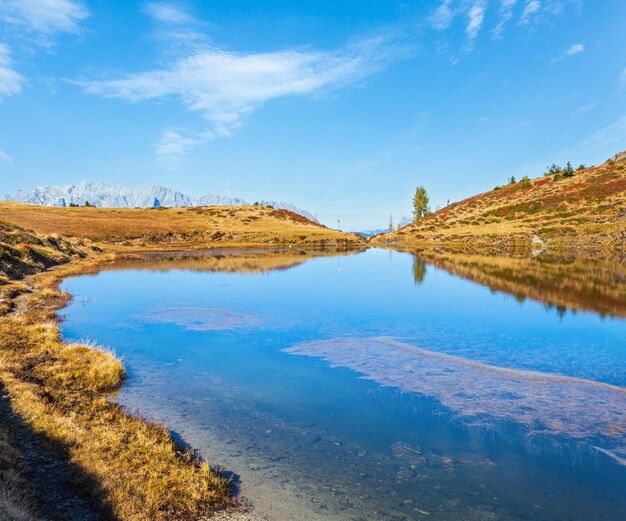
x,y
302,419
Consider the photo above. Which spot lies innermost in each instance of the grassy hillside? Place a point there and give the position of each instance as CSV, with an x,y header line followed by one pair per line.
x,y
158,227
584,209
23,253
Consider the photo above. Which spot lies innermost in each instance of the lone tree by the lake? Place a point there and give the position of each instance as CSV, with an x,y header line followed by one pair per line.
x,y
420,202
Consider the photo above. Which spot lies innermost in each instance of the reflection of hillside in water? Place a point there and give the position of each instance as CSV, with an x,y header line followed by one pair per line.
x,y
577,284
543,404
250,260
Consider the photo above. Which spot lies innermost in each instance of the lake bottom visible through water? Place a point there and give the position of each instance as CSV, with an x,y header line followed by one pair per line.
x,y
341,389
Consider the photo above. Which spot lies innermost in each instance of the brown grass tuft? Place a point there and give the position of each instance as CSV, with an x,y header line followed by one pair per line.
x,y
60,390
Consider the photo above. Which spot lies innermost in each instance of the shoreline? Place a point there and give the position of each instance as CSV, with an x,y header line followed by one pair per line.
x,y
31,308
33,305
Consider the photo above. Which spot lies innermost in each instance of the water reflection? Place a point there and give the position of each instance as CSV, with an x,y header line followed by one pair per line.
x,y
419,269
422,393
229,260
562,283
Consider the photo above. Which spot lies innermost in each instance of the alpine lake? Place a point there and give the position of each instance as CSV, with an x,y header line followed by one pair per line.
x,y
379,385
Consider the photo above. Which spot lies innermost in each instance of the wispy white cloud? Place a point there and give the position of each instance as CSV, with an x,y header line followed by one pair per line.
x,y
506,13
478,12
575,48
622,79
530,10
225,87
5,158
169,12
476,17
443,15
606,140
585,108
44,16
10,81
572,50
173,146
33,23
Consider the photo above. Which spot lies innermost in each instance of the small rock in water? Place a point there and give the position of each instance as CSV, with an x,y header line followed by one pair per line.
x,y
309,438
434,460
410,453
448,463
405,473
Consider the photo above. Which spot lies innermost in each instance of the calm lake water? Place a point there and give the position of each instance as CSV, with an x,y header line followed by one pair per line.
x,y
379,385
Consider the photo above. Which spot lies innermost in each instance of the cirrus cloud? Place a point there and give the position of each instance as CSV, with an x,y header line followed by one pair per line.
x,y
10,81
168,12
225,87
443,15
44,16
506,13
575,48
5,158
476,16
531,8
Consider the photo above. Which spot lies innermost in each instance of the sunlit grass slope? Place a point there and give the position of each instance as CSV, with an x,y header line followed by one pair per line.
x,y
157,227
586,210
55,415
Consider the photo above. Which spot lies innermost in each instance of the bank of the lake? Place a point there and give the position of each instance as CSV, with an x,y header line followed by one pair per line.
x,y
65,447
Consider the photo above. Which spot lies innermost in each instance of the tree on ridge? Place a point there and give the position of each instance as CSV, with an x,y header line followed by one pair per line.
x,y
420,202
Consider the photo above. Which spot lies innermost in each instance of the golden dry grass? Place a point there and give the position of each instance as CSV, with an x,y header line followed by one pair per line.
x,y
583,211
131,468
60,391
159,227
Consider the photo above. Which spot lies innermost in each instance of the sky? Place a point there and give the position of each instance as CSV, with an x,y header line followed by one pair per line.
x,y
340,107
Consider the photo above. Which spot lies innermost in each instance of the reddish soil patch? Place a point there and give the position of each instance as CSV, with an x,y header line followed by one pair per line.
x,y
292,216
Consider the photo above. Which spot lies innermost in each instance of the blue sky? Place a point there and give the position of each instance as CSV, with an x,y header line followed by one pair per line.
x,y
340,107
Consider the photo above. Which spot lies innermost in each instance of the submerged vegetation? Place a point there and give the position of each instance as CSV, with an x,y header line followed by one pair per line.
x,y
544,404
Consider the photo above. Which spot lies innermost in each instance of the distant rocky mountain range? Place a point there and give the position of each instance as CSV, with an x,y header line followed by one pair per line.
x,y
370,233
114,196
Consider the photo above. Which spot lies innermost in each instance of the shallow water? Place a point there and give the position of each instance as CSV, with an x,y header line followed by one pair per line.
x,y
375,385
